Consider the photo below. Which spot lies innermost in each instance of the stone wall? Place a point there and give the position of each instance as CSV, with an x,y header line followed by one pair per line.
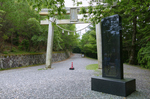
x,y
10,61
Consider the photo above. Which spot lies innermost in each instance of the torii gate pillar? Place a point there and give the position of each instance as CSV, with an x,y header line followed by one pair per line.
x,y
99,44
49,44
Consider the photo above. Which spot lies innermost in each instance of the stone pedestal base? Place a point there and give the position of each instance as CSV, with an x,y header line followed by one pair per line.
x,y
71,68
119,87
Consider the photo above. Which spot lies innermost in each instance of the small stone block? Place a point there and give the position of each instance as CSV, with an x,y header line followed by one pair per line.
x,y
119,87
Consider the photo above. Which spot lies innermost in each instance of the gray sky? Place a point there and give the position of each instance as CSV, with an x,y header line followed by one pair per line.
x,y
69,3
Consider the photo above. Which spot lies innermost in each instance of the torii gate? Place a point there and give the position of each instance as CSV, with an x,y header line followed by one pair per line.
x,y
73,20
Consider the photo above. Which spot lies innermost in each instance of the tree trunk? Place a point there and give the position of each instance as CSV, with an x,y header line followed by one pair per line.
x,y
132,55
29,44
11,41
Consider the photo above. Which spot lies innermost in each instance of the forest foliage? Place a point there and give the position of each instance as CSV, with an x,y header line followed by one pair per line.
x,y
135,27
20,28
88,44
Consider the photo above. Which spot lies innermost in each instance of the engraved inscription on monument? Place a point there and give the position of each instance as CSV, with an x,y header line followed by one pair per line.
x,y
111,47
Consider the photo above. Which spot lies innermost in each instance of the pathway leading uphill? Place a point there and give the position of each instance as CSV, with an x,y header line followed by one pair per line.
x,y
62,83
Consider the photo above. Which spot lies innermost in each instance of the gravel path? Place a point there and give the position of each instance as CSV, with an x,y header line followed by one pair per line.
x,y
62,83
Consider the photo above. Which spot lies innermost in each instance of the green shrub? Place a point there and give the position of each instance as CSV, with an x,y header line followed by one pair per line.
x,y
20,47
24,45
13,49
5,52
144,56
16,41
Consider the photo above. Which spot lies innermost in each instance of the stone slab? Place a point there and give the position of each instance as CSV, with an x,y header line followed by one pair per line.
x,y
119,87
112,47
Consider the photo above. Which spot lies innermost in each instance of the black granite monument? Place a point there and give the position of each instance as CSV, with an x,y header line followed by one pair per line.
x,y
112,80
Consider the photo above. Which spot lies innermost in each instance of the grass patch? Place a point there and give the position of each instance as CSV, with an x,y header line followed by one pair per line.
x,y
5,53
43,69
20,53
92,67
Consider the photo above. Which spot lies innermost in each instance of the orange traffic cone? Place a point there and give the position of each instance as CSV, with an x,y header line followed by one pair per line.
x,y
72,68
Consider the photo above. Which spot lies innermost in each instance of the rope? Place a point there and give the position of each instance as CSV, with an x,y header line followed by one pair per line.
x,y
69,30
73,31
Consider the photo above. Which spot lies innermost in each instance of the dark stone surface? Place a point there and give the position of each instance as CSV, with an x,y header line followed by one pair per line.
x,y
111,47
119,87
